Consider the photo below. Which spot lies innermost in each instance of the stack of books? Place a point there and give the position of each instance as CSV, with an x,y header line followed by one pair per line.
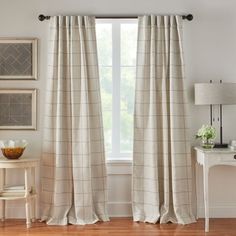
x,y
12,191
232,145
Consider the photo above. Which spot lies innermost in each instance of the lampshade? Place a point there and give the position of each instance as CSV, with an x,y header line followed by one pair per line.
x,y
215,93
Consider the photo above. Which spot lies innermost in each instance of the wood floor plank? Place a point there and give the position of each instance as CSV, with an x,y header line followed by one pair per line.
x,y
118,227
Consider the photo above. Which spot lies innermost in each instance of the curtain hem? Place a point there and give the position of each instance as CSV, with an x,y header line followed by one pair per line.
x,y
153,220
69,220
53,221
142,218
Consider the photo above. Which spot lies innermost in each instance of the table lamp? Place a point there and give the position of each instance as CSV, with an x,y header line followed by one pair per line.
x,y
216,94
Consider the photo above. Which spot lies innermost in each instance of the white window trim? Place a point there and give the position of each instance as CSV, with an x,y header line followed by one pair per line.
x,y
115,156
115,90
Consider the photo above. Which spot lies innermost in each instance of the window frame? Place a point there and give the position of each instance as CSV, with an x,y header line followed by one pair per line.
x,y
116,153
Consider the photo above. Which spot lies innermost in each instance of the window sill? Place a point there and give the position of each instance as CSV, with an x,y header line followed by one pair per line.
x,y
119,161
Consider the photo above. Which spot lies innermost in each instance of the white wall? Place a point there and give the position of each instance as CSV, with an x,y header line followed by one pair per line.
x,y
210,53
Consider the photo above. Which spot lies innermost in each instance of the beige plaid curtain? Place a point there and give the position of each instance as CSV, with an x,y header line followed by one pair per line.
x,y
161,166
73,164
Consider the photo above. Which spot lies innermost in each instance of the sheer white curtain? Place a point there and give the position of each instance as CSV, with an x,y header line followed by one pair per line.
x,y
73,164
161,166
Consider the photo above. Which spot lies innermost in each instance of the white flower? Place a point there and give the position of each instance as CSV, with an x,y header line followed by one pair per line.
x,y
206,132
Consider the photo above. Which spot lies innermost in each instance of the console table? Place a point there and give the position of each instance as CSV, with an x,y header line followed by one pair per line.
x,y
26,191
209,158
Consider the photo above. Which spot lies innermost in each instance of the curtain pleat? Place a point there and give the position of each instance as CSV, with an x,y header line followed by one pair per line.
x,y
161,162
73,164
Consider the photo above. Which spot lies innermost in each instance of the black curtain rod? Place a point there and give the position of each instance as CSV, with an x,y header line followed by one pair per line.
x,y
188,17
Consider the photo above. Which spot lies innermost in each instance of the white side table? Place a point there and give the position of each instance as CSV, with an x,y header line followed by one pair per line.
x,y
209,158
26,191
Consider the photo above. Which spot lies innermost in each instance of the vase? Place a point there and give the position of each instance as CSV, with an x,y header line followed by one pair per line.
x,y
208,144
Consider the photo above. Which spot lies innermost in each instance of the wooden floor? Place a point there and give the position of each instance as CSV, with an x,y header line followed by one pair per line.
x,y
120,226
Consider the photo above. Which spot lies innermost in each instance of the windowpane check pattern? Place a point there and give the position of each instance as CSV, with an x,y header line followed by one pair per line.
x,y
162,174
117,43
73,163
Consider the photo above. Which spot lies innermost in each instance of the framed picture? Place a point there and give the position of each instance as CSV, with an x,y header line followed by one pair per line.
x,y
18,59
18,108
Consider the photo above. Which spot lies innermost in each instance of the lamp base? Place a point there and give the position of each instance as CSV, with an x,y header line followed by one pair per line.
x,y
221,145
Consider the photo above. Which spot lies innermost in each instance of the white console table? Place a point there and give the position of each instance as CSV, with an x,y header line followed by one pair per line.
x,y
26,191
209,158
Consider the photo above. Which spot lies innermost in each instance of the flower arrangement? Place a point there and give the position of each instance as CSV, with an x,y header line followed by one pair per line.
x,y
207,134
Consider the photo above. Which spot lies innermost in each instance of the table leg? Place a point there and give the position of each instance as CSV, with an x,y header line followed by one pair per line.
x,y
27,200
33,199
206,197
3,182
197,190
32,207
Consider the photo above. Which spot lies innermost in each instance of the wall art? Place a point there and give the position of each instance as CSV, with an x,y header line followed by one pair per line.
x,y
18,59
18,108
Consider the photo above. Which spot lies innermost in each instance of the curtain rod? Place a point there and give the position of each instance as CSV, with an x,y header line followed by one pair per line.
x,y
188,17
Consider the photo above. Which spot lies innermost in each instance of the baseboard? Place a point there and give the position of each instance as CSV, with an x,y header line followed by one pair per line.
x,y
115,209
219,212
15,213
124,209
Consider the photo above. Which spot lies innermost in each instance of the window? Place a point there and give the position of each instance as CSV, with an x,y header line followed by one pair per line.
x,y
117,42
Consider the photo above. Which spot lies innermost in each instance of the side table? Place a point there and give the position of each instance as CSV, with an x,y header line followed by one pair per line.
x,y
209,158
26,191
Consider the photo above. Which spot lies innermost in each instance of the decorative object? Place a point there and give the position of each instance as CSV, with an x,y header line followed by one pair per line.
x,y
12,153
207,134
207,143
17,108
232,145
216,94
18,58
13,149
209,158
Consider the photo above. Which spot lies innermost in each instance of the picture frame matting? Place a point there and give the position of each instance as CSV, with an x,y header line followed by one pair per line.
x,y
18,58
18,109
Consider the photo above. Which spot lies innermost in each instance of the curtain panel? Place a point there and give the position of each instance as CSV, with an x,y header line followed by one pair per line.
x,y
162,163
73,163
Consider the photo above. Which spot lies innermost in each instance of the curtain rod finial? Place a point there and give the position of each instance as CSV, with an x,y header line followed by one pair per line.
x,y
188,17
42,17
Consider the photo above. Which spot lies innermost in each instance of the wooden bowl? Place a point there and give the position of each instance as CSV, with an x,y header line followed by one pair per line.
x,y
13,153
